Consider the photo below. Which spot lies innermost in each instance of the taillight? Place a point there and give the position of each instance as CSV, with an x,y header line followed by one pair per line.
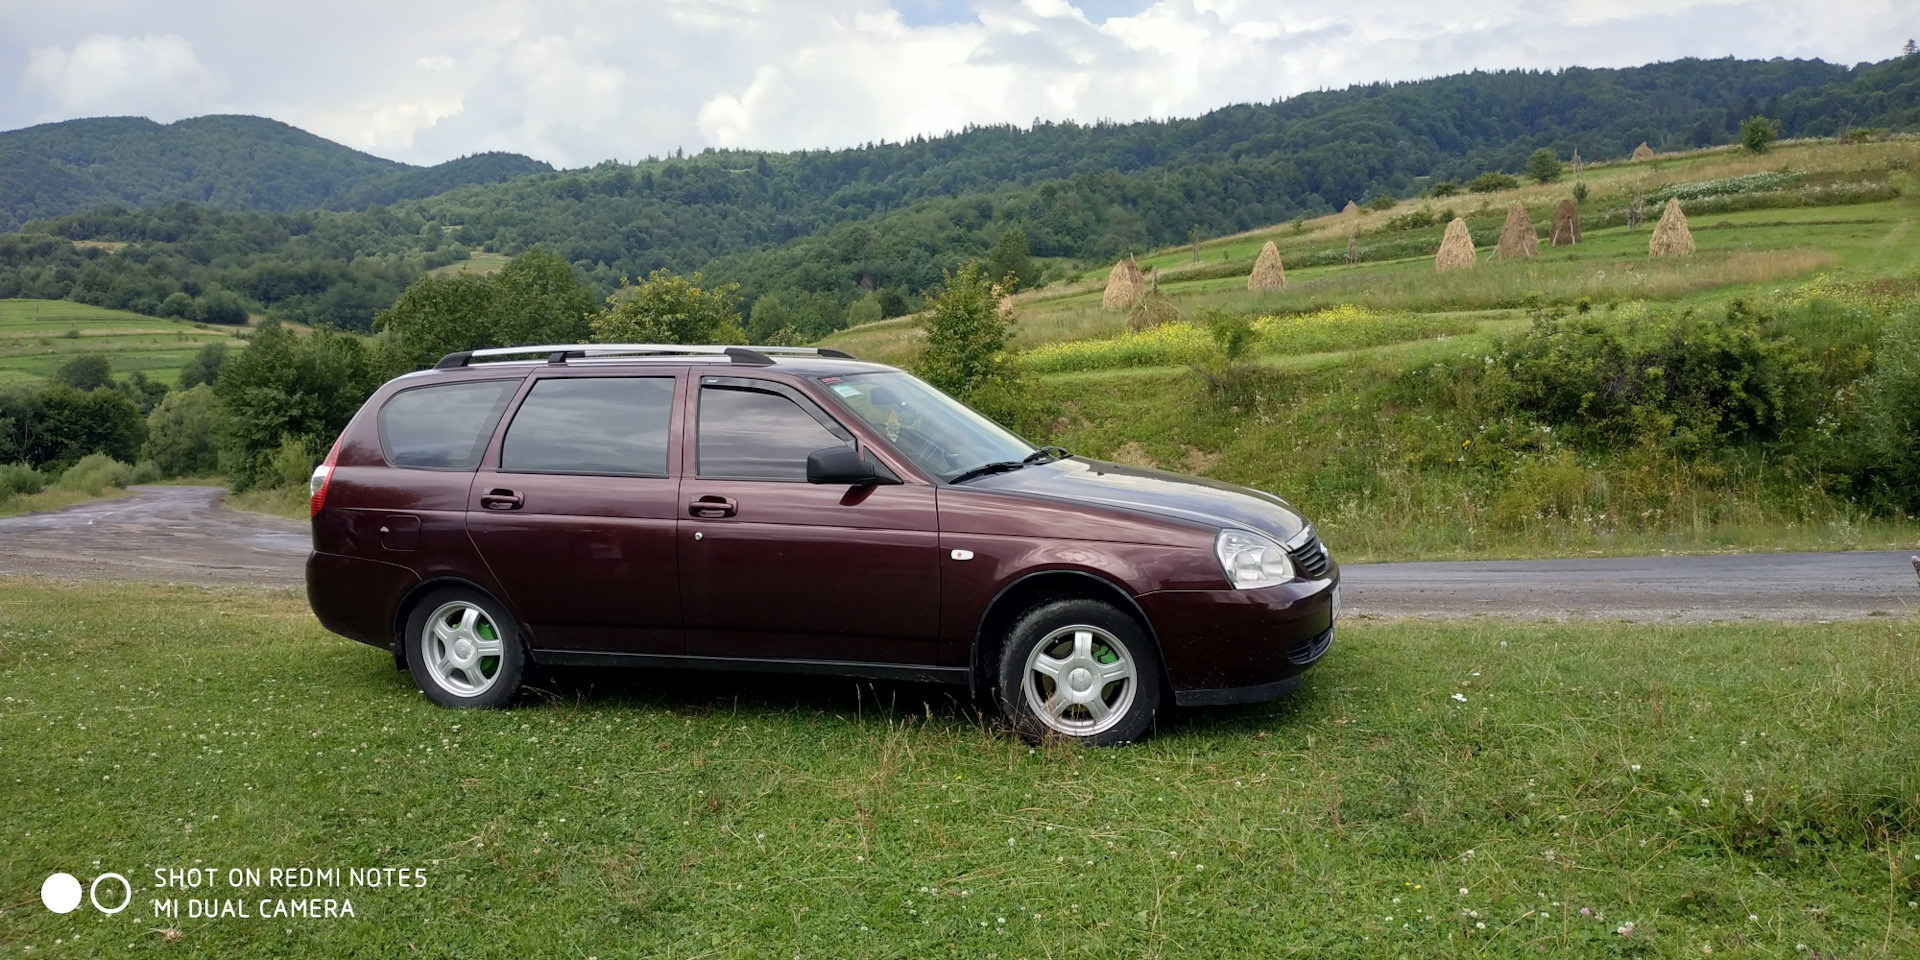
x,y
317,484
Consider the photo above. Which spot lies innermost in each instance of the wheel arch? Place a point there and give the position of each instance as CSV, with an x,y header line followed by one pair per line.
x,y
1031,589
403,611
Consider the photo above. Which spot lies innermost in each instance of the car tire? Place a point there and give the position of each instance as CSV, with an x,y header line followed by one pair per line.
x,y
464,650
1079,671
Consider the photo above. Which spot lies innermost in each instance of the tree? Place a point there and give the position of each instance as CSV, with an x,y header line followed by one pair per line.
x,y
204,367
1758,133
68,424
770,315
864,310
180,433
285,385
1010,264
669,308
220,306
969,328
893,303
536,299
88,371
1544,165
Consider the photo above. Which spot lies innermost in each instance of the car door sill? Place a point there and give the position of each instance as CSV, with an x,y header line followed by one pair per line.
x,y
918,673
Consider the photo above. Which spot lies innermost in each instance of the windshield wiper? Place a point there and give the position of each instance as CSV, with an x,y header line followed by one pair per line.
x,y
1042,455
998,466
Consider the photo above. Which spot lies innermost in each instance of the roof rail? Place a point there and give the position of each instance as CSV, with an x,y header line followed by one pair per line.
x,y
562,352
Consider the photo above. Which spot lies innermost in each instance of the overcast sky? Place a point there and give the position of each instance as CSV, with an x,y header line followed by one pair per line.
x,y
576,83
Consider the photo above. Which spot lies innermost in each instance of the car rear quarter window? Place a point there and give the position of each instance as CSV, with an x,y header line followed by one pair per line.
x,y
444,426
748,433
592,425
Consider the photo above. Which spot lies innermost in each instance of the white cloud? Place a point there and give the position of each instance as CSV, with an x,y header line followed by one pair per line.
x,y
149,74
576,81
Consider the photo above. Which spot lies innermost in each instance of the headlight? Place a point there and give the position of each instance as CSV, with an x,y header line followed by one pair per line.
x,y
1251,560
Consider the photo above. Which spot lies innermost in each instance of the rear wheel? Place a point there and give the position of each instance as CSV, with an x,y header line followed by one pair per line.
x,y
463,650
1079,670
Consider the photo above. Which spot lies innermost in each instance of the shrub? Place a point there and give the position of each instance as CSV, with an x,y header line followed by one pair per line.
x,y
285,384
1544,165
20,478
669,308
1445,188
968,330
94,473
290,465
204,367
1492,181
180,434
1758,133
1681,384
1889,424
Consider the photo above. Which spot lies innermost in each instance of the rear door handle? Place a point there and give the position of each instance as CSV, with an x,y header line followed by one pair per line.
x,y
711,507
501,499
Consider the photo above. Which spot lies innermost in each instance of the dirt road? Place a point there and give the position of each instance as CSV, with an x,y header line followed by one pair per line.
x,y
185,534
168,534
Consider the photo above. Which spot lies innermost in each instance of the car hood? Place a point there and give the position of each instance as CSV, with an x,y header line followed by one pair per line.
x,y
1155,492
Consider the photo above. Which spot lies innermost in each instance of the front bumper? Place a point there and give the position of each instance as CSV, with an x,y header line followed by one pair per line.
x,y
1242,646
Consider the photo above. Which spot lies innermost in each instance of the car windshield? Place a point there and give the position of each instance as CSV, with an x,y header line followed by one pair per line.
x,y
938,433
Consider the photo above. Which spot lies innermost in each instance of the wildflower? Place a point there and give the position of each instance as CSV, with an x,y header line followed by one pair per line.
x,y
1635,768
1463,891
1753,917
1481,925
1705,802
1625,929
1585,912
1460,697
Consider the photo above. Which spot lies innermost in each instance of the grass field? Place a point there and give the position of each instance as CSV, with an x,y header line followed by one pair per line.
x,y
37,335
1460,790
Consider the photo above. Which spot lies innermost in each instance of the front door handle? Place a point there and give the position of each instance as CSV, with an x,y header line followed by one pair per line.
x,y
501,499
711,507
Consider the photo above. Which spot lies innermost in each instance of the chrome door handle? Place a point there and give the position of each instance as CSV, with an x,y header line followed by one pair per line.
x,y
710,507
501,500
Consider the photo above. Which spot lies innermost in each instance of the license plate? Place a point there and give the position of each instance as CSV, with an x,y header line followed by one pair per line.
x,y
1336,601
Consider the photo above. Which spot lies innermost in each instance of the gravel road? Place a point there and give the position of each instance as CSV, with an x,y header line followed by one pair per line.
x,y
187,535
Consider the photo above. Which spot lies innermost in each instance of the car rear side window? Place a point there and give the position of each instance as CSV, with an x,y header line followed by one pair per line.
x,y
443,427
755,434
593,425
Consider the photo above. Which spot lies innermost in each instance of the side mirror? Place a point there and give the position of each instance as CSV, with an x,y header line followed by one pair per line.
x,y
842,465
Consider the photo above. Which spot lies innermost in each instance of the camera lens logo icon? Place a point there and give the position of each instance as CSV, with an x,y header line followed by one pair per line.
x,y
61,893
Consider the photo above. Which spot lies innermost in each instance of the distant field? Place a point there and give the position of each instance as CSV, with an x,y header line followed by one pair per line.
x,y
36,335
478,263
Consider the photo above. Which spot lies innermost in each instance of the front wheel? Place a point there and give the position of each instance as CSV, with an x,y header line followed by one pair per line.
x,y
463,650
1079,670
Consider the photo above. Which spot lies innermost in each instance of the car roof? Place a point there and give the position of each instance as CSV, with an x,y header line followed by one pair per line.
x,y
805,362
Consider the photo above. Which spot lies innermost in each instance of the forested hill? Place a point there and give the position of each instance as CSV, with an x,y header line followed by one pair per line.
x,y
230,162
811,225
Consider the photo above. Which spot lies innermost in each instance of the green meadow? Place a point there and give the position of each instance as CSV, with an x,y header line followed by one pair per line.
x,y
37,335
1435,790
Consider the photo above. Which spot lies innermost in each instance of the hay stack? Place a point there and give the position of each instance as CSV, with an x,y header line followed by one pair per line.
x,y
1268,275
1566,224
1671,238
1642,152
1153,309
1351,208
1125,284
1456,248
1517,237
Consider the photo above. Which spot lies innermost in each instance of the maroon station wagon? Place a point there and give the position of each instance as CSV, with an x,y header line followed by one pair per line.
x,y
794,509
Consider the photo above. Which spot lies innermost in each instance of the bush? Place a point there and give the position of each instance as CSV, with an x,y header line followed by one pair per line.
x,y
20,478
1681,384
1889,426
286,385
221,306
180,434
291,465
1758,133
1492,181
94,473
1544,165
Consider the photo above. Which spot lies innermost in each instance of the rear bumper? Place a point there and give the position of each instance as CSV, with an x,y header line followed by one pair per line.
x,y
356,597
1241,646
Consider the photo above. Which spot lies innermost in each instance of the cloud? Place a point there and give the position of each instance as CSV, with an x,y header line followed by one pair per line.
x,y
577,81
154,74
